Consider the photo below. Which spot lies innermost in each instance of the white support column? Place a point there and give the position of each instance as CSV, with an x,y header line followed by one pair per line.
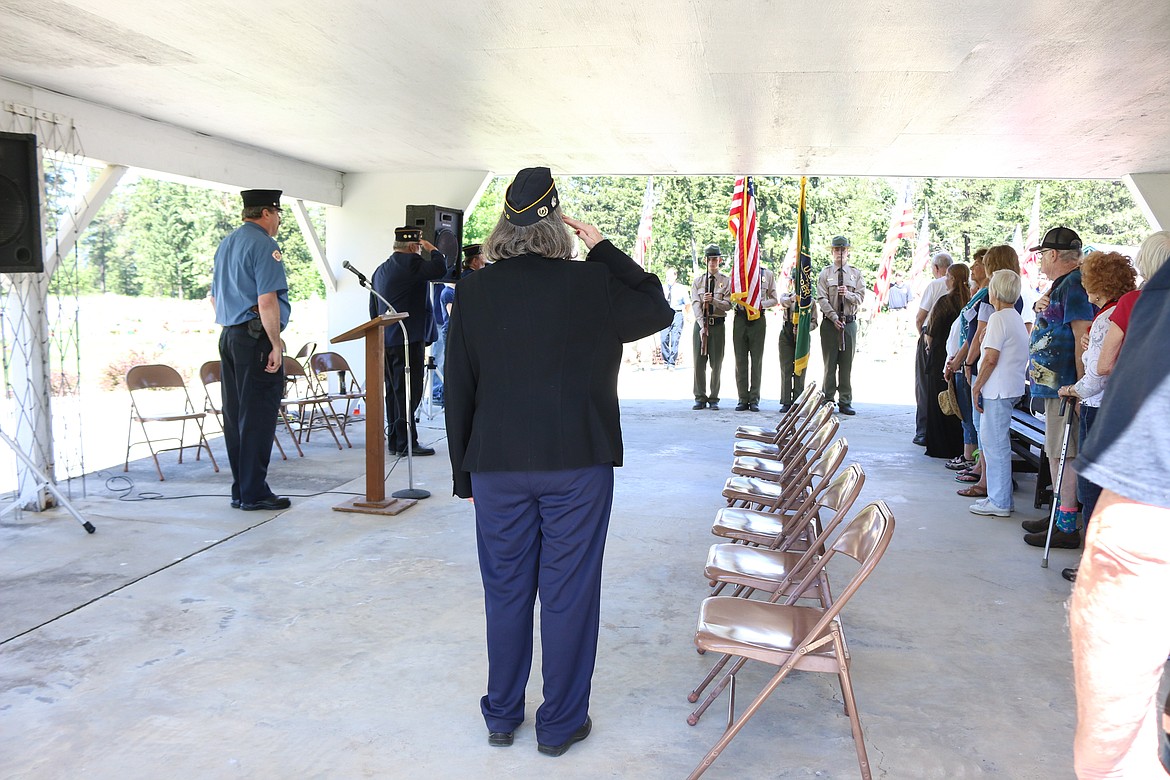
x,y
75,222
1152,193
362,232
314,244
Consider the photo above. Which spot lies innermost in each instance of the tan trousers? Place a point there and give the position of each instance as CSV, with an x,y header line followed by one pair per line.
x,y
1120,639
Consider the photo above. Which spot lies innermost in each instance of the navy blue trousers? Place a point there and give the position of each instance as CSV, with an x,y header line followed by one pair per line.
x,y
250,403
541,532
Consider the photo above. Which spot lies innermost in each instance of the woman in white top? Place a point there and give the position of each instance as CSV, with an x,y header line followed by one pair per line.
x,y
1003,367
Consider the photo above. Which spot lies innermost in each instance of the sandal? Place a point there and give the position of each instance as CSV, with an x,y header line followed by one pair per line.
x,y
973,492
967,478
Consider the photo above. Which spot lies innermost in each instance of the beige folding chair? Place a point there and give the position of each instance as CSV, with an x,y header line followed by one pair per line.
x,y
303,406
784,441
809,400
791,636
752,569
159,395
752,487
211,373
326,364
789,525
305,354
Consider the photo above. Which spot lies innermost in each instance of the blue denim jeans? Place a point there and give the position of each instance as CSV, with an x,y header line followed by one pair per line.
x,y
963,396
996,446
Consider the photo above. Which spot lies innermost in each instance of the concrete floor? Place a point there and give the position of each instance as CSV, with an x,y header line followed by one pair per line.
x,y
186,639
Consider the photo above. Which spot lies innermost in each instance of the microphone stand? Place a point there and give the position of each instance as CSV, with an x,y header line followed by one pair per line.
x,y
411,491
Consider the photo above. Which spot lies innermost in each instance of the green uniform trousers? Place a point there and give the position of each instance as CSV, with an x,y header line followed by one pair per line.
x,y
838,362
791,383
747,341
716,341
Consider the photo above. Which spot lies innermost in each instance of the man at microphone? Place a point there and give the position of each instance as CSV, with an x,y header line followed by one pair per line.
x,y
402,280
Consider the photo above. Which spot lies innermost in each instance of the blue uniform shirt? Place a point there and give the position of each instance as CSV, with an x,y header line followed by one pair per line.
x,y
247,265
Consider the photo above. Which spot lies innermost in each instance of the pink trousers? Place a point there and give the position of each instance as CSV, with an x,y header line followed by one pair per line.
x,y
1120,639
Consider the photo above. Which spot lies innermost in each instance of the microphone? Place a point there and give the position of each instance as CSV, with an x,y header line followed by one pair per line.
x,y
361,277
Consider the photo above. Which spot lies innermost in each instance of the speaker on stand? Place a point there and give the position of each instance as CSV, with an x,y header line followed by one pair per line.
x,y
20,205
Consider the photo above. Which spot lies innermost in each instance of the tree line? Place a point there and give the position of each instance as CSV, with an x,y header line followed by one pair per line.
x,y
158,238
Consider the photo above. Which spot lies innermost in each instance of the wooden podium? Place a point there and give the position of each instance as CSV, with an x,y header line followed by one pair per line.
x,y
375,501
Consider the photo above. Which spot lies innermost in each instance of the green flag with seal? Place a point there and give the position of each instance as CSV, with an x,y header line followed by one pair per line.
x,y
802,312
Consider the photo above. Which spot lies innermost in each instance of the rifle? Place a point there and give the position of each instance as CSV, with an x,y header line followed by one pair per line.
x,y
706,311
841,307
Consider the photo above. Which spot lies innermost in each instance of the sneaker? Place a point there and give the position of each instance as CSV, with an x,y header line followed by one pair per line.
x,y
985,507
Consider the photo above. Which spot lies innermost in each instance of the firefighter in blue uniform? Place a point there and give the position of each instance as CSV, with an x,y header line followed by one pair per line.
x,y
250,294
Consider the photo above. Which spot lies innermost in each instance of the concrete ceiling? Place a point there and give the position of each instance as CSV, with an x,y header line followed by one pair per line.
x,y
1044,89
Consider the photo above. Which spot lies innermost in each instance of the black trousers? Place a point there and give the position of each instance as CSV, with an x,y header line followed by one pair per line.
x,y
397,416
250,403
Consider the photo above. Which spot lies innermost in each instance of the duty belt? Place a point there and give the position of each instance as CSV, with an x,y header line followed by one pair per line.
x,y
715,321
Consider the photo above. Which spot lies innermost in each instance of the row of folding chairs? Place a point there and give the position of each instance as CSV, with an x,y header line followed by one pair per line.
x,y
788,500
158,395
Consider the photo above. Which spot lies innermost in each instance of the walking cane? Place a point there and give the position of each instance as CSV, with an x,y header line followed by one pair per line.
x,y
1068,421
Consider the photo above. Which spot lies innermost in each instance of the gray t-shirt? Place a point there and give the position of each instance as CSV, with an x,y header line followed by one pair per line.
x,y
1128,449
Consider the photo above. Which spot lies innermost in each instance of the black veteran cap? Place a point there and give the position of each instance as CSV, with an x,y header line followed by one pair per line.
x,y
261,198
1059,238
839,241
407,235
471,250
531,197
713,250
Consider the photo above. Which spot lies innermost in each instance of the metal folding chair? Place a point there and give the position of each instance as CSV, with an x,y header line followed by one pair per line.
x,y
159,395
211,374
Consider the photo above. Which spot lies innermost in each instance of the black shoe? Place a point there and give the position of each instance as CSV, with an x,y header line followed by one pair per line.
x,y
1070,573
1060,539
272,502
919,440
753,407
699,405
419,452
578,736
846,409
713,405
500,738
784,408
235,503
741,407
1035,526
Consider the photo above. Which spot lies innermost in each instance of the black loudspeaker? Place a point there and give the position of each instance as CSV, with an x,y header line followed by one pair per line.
x,y
443,227
20,205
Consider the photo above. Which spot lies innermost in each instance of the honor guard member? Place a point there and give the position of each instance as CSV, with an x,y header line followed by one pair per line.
x,y
792,383
840,291
250,294
710,302
533,353
747,341
402,280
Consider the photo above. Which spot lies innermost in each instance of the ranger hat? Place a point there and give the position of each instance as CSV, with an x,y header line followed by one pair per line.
x,y
530,197
471,250
713,250
407,235
262,198
839,241
1059,238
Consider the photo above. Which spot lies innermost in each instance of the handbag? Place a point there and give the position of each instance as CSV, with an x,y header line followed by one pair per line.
x,y
948,401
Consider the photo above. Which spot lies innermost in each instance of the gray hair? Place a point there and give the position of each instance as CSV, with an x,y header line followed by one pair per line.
x,y
942,260
1154,252
1004,286
550,237
1073,256
404,246
253,212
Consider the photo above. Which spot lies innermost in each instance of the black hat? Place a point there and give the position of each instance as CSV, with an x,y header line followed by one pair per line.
x,y
471,250
261,198
713,250
839,241
530,197
1059,238
407,235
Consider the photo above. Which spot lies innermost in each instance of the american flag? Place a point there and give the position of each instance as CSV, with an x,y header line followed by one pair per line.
x,y
921,255
901,226
745,268
642,242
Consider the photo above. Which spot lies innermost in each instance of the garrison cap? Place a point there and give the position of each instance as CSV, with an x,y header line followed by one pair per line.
x,y
839,241
407,235
1059,238
713,250
530,197
471,250
262,198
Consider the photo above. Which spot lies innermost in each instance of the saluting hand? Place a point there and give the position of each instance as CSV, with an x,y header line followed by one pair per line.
x,y
427,245
586,232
